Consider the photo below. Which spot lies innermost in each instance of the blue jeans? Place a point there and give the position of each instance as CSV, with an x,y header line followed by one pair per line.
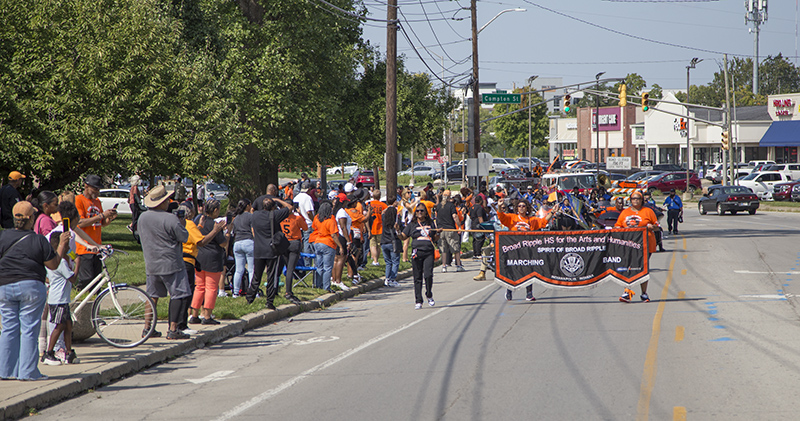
x,y
392,260
21,307
242,252
325,255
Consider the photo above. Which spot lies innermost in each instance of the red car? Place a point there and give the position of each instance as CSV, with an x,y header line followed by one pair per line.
x,y
673,180
783,191
366,177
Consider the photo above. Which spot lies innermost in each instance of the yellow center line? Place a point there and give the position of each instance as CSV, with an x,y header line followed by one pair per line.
x,y
679,333
681,295
679,413
649,375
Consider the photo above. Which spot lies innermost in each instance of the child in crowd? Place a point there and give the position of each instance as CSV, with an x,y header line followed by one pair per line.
x,y
60,286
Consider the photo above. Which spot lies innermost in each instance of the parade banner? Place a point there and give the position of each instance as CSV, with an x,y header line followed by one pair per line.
x,y
571,259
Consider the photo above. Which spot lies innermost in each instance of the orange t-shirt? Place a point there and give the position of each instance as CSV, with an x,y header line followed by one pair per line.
x,y
631,218
293,227
288,193
88,209
521,223
377,210
324,231
358,219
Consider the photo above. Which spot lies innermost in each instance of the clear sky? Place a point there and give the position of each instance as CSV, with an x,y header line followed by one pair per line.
x,y
548,43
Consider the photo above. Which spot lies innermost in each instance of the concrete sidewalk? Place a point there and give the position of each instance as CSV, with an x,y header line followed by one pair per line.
x,y
101,363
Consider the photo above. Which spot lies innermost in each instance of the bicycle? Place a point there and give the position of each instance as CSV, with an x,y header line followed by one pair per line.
x,y
122,315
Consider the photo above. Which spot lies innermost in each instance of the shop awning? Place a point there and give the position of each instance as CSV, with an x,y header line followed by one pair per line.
x,y
782,133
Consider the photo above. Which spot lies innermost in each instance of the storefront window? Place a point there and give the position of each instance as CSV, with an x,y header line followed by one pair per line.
x,y
754,153
668,156
786,155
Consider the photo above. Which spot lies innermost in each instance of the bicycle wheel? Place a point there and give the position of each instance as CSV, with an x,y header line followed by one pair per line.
x,y
124,316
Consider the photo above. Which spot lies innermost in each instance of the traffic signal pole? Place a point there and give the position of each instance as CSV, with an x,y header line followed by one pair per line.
x,y
727,115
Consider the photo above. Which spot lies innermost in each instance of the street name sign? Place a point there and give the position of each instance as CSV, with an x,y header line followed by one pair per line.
x,y
501,98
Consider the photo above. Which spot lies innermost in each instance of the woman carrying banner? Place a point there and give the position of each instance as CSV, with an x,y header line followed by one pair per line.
x,y
638,215
522,221
424,234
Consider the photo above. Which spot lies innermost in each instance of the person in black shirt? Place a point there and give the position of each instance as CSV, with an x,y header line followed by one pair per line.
x,y
391,245
265,222
477,215
423,232
23,294
272,193
447,217
9,196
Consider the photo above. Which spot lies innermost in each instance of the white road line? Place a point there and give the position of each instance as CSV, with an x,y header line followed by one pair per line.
x,y
219,375
749,272
772,296
291,382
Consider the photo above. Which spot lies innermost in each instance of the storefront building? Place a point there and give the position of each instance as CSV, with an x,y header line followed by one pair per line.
x,y
563,138
613,137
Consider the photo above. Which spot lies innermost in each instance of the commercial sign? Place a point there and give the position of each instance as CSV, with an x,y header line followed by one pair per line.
x,y
571,259
618,163
610,120
783,107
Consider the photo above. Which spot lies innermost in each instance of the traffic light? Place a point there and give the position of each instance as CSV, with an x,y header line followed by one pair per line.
x,y
725,144
623,95
645,100
566,103
683,124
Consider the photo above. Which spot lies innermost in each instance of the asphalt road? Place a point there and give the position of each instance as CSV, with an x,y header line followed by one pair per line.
x,y
718,341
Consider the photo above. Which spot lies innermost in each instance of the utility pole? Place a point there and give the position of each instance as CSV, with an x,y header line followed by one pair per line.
x,y
727,111
756,13
692,65
391,98
530,87
476,96
597,120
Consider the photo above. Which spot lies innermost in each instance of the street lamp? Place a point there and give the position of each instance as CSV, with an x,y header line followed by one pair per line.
x,y
597,120
476,98
530,163
691,65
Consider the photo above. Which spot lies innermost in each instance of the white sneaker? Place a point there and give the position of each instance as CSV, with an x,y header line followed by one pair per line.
x,y
395,284
460,269
189,331
417,306
444,268
391,283
375,264
222,294
355,280
61,354
431,302
341,286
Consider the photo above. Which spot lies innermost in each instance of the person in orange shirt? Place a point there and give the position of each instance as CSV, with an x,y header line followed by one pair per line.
x,y
357,229
638,215
288,192
93,219
325,239
375,209
293,228
619,205
522,221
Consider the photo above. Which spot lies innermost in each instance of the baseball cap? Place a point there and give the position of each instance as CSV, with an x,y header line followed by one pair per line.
x,y
332,194
348,188
305,187
93,181
15,175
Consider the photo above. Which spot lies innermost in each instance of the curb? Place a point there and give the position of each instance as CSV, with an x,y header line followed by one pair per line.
x,y
18,406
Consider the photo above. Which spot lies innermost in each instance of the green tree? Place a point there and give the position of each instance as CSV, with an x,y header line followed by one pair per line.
x,y
512,130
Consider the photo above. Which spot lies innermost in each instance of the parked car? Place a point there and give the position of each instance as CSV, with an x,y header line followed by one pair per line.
x,y
792,170
783,191
728,199
119,197
499,164
673,180
763,183
366,177
796,193
523,162
753,164
453,173
220,191
421,171
713,172
347,168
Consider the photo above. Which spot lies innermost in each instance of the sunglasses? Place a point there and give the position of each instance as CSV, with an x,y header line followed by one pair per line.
x,y
421,210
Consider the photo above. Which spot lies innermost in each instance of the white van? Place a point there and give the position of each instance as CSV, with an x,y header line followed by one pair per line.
x,y
762,183
568,181
753,164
